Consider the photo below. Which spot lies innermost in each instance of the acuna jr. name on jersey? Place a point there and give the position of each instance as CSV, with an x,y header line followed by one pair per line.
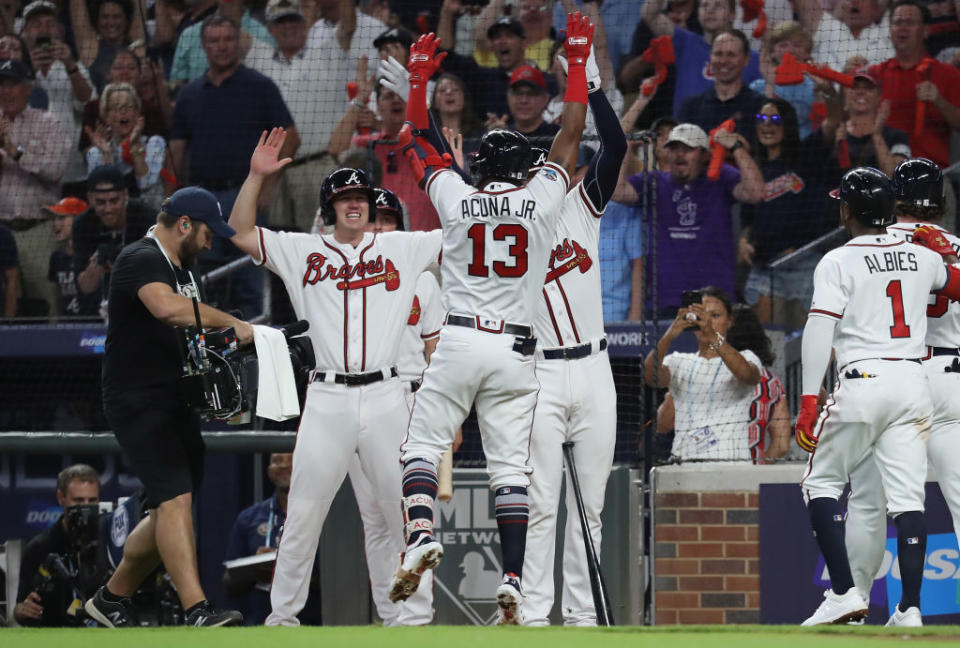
x,y
901,261
494,206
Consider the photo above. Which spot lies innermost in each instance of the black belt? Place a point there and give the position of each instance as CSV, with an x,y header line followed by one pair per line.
x,y
942,351
23,224
414,386
573,353
917,360
474,323
357,380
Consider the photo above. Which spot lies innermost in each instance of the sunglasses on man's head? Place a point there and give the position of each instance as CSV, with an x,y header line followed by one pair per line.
x,y
763,119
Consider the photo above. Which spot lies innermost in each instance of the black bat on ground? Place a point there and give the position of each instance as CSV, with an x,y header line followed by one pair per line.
x,y
601,600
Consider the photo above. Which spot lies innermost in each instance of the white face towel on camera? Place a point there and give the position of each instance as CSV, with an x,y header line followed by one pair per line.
x,y
276,388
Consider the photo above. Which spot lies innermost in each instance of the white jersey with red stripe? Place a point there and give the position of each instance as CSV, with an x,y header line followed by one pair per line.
x,y
877,287
357,299
570,309
496,242
426,318
943,315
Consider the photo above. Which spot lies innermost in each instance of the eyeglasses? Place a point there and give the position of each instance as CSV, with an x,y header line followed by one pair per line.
x,y
773,119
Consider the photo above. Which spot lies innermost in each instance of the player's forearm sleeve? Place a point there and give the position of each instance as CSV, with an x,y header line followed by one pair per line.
x,y
601,179
815,351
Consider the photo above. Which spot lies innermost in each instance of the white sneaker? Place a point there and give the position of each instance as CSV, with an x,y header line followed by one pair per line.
x,y
910,618
509,599
424,555
840,608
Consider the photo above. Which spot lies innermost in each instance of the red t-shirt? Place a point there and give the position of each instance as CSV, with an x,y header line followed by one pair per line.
x,y
398,178
900,87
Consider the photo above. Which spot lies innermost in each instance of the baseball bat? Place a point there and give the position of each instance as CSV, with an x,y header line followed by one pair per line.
x,y
601,600
445,477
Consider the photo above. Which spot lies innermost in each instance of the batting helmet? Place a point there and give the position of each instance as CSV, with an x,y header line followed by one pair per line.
x,y
338,182
502,155
868,194
919,183
388,202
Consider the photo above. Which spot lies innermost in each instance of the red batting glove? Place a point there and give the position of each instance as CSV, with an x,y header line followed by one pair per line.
x,y
933,239
806,419
424,61
578,40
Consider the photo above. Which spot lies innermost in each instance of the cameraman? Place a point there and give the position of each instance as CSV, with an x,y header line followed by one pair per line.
x,y
157,431
112,222
59,567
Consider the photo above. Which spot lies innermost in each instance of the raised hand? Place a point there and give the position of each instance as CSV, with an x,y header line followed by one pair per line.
x,y
265,159
579,38
455,140
424,60
593,70
393,76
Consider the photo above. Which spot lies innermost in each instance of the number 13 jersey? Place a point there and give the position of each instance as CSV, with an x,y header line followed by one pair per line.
x,y
496,242
877,286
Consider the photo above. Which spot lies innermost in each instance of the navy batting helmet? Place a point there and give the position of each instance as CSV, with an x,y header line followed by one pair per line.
x,y
502,155
918,182
338,182
388,202
868,194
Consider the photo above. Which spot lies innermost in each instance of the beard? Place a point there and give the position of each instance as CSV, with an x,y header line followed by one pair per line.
x,y
189,251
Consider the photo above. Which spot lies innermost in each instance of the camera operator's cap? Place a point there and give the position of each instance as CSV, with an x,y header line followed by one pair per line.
x,y
863,72
689,134
510,24
38,7
530,75
15,69
277,9
200,205
107,177
394,35
69,206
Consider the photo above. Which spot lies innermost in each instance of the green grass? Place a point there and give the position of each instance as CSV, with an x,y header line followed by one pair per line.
x,y
468,637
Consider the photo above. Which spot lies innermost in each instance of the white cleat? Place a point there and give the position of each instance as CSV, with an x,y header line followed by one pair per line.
x,y
509,600
839,608
426,554
910,618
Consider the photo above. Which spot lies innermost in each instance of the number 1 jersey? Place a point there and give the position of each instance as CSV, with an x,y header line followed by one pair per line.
x,y
496,242
877,286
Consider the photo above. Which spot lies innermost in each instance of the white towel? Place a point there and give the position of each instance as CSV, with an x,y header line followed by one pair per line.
x,y
276,389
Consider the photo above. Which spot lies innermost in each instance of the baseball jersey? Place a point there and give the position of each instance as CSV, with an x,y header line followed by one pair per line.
x,y
943,315
357,299
877,287
492,237
573,277
426,318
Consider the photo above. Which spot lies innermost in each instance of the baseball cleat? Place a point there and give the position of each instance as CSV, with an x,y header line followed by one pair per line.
x,y
509,599
909,618
110,615
424,555
839,608
210,617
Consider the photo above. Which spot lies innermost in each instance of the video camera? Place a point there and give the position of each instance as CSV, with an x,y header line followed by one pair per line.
x,y
220,378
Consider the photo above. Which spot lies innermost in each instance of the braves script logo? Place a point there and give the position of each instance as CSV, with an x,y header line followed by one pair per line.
x,y
784,184
569,255
414,318
352,277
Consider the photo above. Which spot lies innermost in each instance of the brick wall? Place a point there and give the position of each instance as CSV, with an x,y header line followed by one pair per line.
x,y
707,557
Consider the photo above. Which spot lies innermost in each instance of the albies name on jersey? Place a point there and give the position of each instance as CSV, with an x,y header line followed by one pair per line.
x,y
891,262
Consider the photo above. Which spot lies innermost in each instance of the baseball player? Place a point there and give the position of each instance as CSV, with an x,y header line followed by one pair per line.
x,y
417,343
919,204
869,304
355,288
496,244
577,400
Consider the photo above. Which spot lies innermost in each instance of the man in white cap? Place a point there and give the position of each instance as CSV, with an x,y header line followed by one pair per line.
x,y
694,219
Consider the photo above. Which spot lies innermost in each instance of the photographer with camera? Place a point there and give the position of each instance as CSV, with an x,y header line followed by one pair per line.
x,y
711,388
59,567
112,222
152,291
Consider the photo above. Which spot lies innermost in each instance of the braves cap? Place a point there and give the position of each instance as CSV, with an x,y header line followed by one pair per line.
x,y
201,205
37,7
510,24
394,35
528,74
14,69
689,134
107,177
69,206
863,72
277,9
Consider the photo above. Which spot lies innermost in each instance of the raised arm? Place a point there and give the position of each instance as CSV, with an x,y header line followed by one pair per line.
x,y
83,32
487,17
601,50
750,188
577,47
657,21
264,162
601,179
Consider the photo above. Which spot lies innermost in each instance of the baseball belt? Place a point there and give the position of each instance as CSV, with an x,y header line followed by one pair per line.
x,y
941,351
354,380
575,352
475,322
